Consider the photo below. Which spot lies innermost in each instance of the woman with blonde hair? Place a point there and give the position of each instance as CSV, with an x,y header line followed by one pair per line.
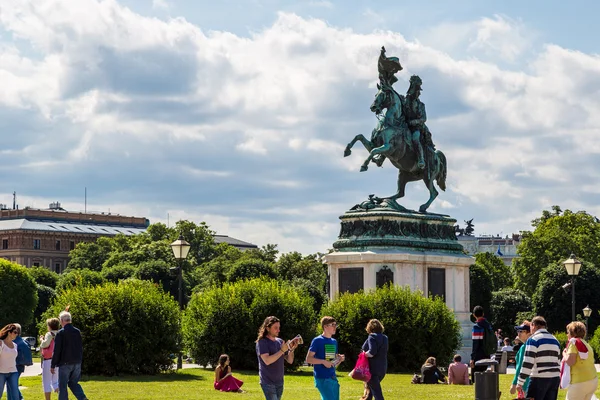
x,y
430,374
376,349
579,356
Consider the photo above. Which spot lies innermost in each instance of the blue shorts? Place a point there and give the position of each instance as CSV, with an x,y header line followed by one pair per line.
x,y
329,388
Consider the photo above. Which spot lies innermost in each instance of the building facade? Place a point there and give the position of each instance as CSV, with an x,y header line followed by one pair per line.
x,y
505,248
35,237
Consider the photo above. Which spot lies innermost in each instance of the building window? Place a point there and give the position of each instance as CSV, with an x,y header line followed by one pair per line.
x,y
36,264
58,245
72,245
58,268
37,244
4,244
436,279
351,280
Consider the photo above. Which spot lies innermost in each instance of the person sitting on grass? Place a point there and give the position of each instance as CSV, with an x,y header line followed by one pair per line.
x,y
224,380
430,374
458,373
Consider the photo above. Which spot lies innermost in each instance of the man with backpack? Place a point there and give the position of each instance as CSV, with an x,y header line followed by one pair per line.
x,y
484,341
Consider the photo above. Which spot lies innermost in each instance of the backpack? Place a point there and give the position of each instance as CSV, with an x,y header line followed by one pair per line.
x,y
490,342
48,351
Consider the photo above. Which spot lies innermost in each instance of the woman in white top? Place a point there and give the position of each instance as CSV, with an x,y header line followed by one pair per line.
x,y
49,379
8,364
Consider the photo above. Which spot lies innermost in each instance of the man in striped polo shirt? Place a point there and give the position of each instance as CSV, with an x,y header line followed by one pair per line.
x,y
541,363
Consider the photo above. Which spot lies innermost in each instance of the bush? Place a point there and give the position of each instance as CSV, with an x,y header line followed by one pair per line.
x,y
506,303
524,315
19,294
131,327
562,338
417,327
79,277
481,287
595,344
43,276
118,272
226,320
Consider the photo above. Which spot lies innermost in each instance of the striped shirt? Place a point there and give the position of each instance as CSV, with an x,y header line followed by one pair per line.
x,y
541,357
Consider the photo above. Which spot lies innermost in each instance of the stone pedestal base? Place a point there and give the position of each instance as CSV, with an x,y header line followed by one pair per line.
x,y
438,273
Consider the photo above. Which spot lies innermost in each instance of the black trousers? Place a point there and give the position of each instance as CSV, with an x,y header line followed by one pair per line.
x,y
543,388
375,387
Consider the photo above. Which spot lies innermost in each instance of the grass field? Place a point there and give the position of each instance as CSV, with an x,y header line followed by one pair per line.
x,y
197,384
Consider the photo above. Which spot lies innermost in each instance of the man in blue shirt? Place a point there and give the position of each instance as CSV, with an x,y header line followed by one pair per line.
x,y
323,355
68,355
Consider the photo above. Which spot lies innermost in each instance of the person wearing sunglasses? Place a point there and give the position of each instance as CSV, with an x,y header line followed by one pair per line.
x,y
323,355
523,333
8,362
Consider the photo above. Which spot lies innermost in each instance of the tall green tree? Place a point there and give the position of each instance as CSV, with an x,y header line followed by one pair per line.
x,y
557,234
480,287
554,303
500,273
91,255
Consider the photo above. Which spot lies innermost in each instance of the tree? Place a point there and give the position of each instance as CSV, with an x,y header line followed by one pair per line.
x,y
293,265
557,234
250,269
499,272
43,276
45,297
90,255
79,277
554,303
19,294
480,287
118,272
505,305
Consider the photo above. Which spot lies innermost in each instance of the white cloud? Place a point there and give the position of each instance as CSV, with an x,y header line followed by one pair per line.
x,y
248,132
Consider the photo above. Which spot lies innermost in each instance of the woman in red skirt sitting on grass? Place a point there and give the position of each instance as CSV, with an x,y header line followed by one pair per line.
x,y
224,380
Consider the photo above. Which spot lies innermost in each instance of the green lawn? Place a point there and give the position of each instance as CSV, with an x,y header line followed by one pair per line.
x,y
197,384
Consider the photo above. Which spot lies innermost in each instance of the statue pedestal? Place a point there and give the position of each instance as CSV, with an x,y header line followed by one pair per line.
x,y
419,250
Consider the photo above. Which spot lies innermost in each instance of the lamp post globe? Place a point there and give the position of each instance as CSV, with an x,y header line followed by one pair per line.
x,y
572,265
180,248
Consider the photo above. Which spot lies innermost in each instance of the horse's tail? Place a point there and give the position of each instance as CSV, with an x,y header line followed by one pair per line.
x,y
441,175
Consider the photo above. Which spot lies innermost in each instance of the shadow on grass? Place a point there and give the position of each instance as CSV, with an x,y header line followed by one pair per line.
x,y
182,376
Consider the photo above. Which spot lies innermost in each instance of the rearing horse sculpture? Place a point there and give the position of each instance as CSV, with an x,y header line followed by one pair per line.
x,y
391,140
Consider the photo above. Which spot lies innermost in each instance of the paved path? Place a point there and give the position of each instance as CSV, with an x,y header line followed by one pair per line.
x,y
36,369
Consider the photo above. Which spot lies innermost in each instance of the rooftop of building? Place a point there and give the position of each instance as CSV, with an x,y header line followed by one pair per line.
x,y
57,214
234,242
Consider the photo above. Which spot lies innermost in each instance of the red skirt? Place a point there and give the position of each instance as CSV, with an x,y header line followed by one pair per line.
x,y
229,384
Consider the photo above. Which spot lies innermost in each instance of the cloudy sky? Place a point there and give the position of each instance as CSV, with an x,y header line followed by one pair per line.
x,y
237,112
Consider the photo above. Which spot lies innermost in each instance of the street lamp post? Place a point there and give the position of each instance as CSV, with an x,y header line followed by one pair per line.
x,y
180,250
587,312
572,265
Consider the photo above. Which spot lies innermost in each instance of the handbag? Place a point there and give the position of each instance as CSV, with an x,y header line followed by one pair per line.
x,y
361,370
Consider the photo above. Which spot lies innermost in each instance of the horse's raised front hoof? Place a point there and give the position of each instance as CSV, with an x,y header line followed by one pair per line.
x,y
363,168
347,152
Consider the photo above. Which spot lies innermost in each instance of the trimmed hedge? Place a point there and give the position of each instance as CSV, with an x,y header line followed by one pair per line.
x,y
43,276
417,327
19,294
226,320
131,327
